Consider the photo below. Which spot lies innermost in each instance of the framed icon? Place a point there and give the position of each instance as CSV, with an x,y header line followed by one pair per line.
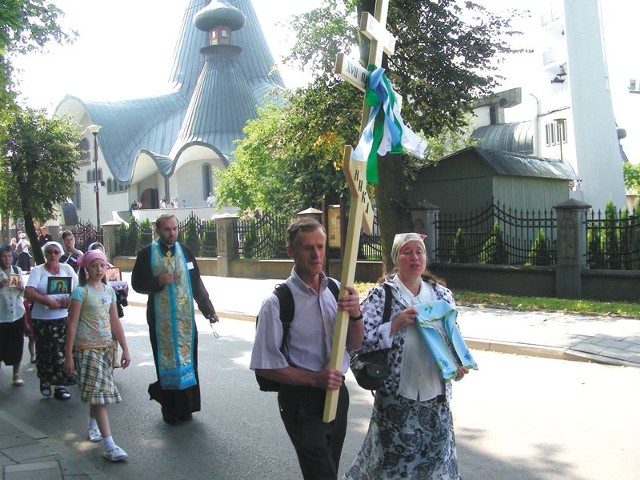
x,y
113,274
58,285
14,280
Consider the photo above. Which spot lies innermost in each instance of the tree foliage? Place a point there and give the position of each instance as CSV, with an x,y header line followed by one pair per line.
x,y
446,54
445,58
292,156
39,159
631,173
26,26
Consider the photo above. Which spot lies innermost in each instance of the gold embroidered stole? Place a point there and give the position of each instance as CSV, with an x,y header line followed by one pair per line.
x,y
174,320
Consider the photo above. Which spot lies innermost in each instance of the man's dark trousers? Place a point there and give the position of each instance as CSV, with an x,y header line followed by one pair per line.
x,y
318,444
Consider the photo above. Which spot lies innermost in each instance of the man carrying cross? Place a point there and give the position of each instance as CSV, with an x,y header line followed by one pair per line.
x,y
298,359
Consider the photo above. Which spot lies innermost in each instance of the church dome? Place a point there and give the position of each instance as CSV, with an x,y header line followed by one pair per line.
x,y
219,14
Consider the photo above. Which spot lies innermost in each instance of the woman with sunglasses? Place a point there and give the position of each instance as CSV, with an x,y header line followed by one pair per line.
x,y
49,320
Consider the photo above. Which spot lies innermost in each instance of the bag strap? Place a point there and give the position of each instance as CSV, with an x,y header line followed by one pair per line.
x,y
386,311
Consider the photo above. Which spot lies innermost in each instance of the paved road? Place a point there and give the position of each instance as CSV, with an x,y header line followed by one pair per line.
x,y
517,418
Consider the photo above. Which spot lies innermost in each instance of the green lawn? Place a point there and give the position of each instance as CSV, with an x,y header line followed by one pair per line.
x,y
464,297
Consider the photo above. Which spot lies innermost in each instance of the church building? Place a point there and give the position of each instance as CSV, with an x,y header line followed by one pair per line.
x,y
168,146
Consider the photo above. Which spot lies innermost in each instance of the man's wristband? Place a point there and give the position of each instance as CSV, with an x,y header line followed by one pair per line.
x,y
355,319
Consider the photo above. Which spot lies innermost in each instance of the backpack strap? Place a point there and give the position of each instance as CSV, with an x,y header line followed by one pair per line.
x,y
386,312
333,286
287,309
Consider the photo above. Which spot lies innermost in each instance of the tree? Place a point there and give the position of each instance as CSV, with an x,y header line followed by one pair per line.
x,y
292,156
446,56
26,26
39,158
631,174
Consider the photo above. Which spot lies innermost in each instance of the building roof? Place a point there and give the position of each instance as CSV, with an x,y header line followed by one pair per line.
x,y
517,165
507,137
207,103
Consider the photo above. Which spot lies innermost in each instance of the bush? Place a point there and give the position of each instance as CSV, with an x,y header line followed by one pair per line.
x,y
493,251
540,253
460,253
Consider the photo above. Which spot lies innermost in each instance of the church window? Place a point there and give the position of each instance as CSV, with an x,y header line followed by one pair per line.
x,y
206,180
75,198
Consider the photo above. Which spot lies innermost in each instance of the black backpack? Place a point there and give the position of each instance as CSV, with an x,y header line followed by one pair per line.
x,y
287,309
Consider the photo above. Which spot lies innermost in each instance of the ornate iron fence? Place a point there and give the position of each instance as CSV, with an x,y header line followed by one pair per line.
x,y
370,248
199,235
494,235
85,234
497,235
613,239
262,236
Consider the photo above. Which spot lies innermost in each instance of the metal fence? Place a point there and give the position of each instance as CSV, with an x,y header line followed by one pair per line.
x,y
199,235
262,236
85,234
496,235
613,239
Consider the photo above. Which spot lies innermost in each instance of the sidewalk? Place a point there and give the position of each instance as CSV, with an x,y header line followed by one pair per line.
x,y
26,453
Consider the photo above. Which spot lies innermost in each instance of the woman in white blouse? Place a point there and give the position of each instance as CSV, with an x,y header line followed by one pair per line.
x,y
411,429
49,319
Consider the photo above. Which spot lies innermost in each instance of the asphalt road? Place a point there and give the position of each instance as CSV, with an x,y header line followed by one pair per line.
x,y
517,418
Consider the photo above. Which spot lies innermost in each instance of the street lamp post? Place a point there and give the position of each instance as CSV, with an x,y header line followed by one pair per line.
x,y
94,129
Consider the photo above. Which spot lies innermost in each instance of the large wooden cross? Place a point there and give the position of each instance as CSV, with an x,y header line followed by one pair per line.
x,y
361,211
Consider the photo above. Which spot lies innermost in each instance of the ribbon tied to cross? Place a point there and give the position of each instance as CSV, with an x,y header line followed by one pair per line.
x,y
385,131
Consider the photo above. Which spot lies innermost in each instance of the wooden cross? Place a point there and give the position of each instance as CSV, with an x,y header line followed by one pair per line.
x,y
361,211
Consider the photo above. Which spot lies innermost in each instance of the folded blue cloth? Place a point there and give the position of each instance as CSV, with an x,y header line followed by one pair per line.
x,y
449,353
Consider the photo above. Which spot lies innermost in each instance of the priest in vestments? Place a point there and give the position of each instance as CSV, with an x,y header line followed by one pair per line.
x,y
168,272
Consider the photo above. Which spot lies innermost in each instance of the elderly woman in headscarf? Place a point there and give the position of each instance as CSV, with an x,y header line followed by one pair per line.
x,y
411,429
49,319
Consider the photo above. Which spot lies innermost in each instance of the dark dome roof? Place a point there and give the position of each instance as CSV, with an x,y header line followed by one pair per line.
x,y
219,14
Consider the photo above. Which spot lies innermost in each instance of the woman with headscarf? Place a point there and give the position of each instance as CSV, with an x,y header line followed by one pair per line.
x,y
411,429
49,320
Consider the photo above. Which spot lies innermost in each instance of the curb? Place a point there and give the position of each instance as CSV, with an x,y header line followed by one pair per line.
x,y
553,353
513,348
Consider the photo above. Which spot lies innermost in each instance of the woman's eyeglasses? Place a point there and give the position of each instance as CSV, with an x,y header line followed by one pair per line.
x,y
52,252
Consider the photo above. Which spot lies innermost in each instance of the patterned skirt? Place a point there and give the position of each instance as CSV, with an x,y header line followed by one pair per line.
x,y
407,439
50,336
94,369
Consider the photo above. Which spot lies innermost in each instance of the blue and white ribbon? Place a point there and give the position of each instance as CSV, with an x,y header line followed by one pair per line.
x,y
385,131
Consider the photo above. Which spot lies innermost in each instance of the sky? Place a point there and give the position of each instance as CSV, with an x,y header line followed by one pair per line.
x,y
127,55
125,49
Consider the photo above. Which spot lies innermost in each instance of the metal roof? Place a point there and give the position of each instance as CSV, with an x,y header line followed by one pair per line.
x,y
207,103
506,137
517,165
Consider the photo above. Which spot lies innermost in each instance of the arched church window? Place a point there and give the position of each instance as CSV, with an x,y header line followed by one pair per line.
x,y
85,150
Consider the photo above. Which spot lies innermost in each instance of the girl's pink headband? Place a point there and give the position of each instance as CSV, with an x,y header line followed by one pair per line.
x,y
86,259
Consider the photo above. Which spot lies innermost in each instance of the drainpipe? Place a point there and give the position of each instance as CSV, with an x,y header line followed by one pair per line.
x,y
536,128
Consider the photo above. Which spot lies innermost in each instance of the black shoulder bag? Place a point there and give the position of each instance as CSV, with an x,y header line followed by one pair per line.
x,y
372,368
